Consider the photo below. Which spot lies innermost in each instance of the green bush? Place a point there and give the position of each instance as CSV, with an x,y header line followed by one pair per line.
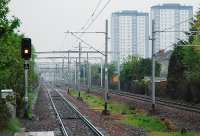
x,y
4,114
13,125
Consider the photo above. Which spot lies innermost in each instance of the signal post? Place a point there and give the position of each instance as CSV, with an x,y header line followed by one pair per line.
x,y
26,55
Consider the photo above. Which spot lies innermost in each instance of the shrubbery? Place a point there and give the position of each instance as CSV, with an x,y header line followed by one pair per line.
x,y
11,63
184,68
133,72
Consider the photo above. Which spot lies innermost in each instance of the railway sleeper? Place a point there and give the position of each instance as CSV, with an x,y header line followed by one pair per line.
x,y
71,118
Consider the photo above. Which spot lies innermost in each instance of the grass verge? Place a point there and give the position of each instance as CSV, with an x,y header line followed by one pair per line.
x,y
125,114
13,125
172,134
129,115
32,99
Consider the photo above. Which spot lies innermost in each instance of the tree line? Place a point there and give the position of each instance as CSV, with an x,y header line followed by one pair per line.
x,y
184,67
11,63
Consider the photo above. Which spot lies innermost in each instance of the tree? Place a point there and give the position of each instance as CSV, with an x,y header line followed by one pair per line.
x,y
184,72
95,73
135,69
111,72
11,63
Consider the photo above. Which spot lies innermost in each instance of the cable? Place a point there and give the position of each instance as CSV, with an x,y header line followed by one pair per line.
x,y
99,13
175,45
90,46
97,6
93,13
191,18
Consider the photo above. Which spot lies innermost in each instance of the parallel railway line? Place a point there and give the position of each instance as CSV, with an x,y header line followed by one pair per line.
x,y
148,99
159,101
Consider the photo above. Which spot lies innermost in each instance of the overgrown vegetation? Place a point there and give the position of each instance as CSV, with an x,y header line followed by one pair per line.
x,y
126,114
13,125
96,74
184,67
130,115
11,64
171,134
133,72
32,100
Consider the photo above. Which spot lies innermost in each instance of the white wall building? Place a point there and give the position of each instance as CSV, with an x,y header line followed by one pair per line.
x,y
129,35
170,17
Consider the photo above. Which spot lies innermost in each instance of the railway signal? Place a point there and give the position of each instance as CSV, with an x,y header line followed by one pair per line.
x,y
26,48
26,55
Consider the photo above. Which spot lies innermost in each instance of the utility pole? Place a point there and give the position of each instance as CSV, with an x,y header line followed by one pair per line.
x,y
153,66
101,73
118,69
106,69
54,77
63,69
79,71
56,73
26,86
75,74
68,72
90,77
84,73
88,74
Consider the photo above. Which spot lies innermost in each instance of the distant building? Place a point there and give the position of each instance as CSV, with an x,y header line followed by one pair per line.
x,y
129,35
170,17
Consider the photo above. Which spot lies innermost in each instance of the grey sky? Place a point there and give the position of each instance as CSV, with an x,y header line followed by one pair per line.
x,y
45,21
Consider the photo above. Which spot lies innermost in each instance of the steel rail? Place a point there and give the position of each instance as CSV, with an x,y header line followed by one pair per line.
x,y
58,115
159,101
84,119
76,111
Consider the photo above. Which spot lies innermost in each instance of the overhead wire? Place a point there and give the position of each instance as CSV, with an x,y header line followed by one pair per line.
x,y
173,26
93,13
94,19
97,6
90,46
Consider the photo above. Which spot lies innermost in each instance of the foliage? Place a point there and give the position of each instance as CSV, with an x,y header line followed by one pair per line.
x,y
184,72
147,122
4,114
32,100
171,134
111,72
6,25
11,63
13,125
135,69
91,100
95,74
126,114
129,115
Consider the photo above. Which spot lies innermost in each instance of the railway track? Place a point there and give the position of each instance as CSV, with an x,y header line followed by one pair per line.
x,y
163,102
72,122
159,101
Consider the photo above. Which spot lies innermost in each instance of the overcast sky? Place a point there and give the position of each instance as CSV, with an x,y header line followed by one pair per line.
x,y
45,21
